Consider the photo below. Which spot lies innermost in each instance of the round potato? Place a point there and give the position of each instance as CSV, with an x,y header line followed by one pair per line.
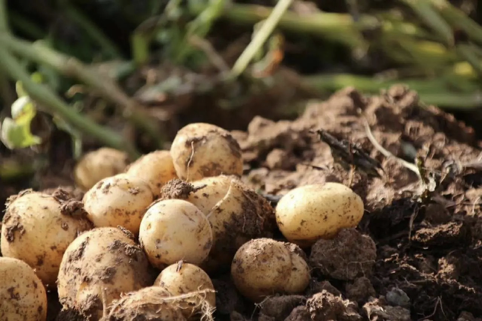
x,y
183,278
203,150
120,200
174,230
319,211
264,267
99,164
37,229
98,267
155,168
150,303
22,294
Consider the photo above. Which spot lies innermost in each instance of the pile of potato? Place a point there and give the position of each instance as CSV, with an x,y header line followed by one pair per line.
x,y
148,236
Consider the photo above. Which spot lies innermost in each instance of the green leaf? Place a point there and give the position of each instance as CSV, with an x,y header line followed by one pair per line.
x,y
23,111
14,135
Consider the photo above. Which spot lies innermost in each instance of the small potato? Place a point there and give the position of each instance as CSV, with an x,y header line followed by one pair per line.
x,y
98,267
22,294
264,267
96,165
155,168
37,229
183,278
174,230
319,211
203,150
237,214
150,303
119,200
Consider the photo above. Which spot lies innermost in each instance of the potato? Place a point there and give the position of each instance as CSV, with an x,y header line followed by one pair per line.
x,y
22,294
37,229
183,278
174,230
203,150
155,168
319,211
151,303
99,164
98,267
264,267
236,213
120,200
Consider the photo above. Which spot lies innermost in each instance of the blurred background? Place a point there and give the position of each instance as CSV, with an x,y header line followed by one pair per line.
x,y
77,75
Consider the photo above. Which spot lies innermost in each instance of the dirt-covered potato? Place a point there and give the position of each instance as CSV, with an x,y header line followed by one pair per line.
x,y
99,164
98,267
183,278
203,150
319,211
120,200
236,213
155,168
22,294
37,228
174,230
150,303
264,267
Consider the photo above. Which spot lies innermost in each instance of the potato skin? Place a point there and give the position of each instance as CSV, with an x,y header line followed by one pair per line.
x,y
120,200
155,168
236,213
182,278
311,212
264,267
204,150
36,231
22,294
150,303
98,267
174,230
98,164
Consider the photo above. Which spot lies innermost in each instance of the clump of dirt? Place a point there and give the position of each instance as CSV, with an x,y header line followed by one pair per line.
x,y
427,230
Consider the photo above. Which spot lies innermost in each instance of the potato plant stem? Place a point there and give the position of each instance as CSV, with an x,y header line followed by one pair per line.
x,y
260,37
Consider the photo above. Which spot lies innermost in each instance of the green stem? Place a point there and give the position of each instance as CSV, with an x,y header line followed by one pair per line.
x,y
72,67
92,30
47,98
260,37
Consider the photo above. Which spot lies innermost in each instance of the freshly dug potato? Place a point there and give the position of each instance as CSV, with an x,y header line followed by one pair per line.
x,y
120,200
236,213
150,303
98,267
37,228
22,294
319,211
155,168
203,150
174,230
96,165
264,267
184,278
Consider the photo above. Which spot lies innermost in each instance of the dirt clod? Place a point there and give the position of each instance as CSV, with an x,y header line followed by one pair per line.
x,y
280,307
325,306
360,290
378,310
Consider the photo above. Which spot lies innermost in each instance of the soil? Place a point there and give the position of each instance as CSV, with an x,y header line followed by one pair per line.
x,y
417,253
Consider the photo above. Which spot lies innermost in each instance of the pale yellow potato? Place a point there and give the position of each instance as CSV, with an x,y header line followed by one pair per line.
x,y
204,150
183,278
174,230
236,213
319,211
150,303
120,200
264,267
99,164
36,231
155,168
98,267
22,294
